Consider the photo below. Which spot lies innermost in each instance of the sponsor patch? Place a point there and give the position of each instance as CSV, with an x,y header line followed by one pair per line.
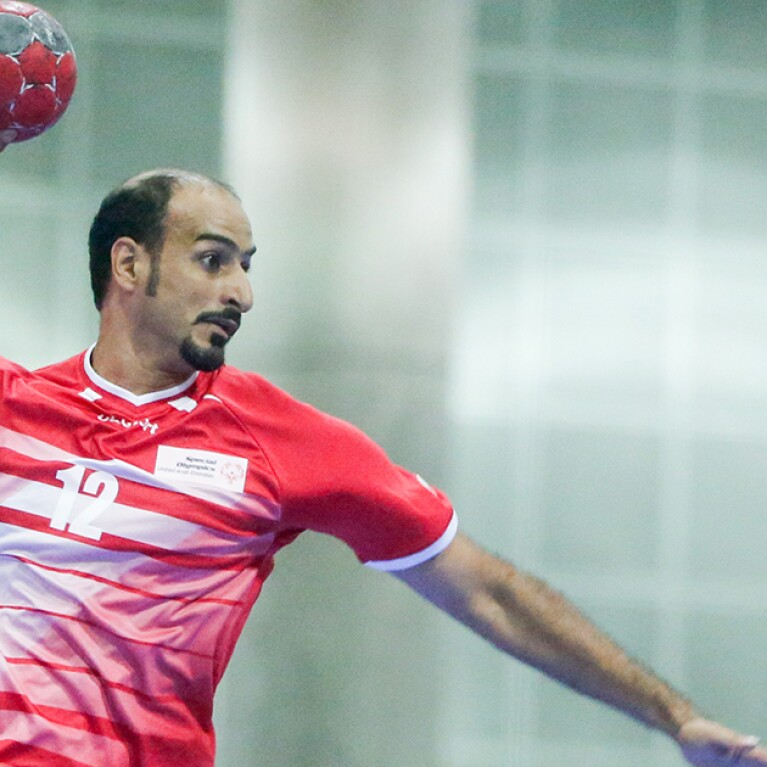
x,y
201,467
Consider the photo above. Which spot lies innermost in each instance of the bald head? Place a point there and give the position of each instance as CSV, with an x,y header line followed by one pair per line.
x,y
137,209
177,176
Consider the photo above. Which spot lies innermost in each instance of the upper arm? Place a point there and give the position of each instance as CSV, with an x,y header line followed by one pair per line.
x,y
459,579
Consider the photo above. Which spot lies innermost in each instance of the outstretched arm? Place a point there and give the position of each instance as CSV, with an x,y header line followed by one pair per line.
x,y
524,617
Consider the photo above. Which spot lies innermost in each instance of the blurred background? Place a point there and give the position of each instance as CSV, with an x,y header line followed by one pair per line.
x,y
522,244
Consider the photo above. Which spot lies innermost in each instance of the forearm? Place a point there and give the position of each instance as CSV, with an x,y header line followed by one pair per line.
x,y
527,619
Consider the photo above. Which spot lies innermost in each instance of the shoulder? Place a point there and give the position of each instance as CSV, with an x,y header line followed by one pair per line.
x,y
17,378
9,371
255,398
63,371
246,385
10,368
294,433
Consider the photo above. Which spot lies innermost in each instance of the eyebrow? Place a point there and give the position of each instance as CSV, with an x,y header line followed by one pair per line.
x,y
228,241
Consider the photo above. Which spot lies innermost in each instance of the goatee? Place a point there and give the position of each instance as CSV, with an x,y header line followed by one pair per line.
x,y
207,360
212,357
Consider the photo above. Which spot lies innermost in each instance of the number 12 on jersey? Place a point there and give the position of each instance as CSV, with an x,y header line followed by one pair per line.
x,y
98,492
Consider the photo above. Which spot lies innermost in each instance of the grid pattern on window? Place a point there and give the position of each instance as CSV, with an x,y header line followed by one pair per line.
x,y
610,357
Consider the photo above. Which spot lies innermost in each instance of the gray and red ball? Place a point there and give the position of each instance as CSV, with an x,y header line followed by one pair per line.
x,y
38,70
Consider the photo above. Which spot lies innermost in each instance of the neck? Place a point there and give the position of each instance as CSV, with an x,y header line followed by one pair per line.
x,y
138,369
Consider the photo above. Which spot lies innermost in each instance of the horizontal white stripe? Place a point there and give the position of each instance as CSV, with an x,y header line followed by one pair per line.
x,y
83,692
128,522
78,745
39,450
122,620
63,686
403,563
139,525
127,568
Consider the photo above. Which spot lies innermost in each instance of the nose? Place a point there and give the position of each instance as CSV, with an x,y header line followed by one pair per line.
x,y
239,293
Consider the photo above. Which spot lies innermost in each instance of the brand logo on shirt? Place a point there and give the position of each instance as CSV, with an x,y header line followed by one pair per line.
x,y
145,424
202,467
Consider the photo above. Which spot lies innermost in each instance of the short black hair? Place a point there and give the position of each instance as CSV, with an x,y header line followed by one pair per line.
x,y
136,209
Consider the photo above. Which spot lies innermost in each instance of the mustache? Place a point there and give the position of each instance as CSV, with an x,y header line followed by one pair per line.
x,y
227,315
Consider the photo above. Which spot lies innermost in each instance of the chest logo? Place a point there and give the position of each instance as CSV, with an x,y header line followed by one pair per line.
x,y
126,423
201,467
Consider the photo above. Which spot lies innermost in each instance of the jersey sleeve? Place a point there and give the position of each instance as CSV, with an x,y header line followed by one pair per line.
x,y
336,480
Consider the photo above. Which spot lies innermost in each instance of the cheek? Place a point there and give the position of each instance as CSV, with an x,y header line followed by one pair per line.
x,y
170,317
181,301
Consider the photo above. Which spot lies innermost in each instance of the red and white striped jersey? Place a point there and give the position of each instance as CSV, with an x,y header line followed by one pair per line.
x,y
136,533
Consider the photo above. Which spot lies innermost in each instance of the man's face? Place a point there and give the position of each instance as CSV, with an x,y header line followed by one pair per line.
x,y
197,288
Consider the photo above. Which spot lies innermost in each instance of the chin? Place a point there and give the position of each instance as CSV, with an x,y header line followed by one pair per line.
x,y
208,358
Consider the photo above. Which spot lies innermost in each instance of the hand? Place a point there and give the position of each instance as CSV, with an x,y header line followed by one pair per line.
x,y
707,744
6,137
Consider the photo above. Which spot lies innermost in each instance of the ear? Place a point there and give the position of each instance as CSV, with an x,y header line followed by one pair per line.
x,y
128,265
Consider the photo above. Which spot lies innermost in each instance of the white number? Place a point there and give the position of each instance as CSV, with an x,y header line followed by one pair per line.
x,y
101,489
104,487
71,478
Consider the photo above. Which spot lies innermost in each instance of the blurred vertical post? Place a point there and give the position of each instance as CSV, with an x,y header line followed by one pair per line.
x,y
346,135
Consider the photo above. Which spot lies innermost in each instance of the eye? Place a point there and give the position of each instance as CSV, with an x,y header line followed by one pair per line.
x,y
212,262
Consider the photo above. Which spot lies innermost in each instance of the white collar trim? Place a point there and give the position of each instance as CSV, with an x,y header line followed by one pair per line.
x,y
129,396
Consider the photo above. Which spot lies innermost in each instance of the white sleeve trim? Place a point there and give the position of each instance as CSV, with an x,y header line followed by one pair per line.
x,y
403,563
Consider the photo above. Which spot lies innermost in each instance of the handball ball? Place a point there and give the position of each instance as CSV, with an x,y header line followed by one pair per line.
x,y
37,70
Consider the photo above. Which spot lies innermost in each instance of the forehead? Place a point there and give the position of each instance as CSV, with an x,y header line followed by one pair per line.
x,y
203,208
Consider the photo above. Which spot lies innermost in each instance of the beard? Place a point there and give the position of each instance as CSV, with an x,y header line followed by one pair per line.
x,y
199,358
209,358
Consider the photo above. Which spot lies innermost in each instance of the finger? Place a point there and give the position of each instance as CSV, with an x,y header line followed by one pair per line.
x,y
749,755
743,746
